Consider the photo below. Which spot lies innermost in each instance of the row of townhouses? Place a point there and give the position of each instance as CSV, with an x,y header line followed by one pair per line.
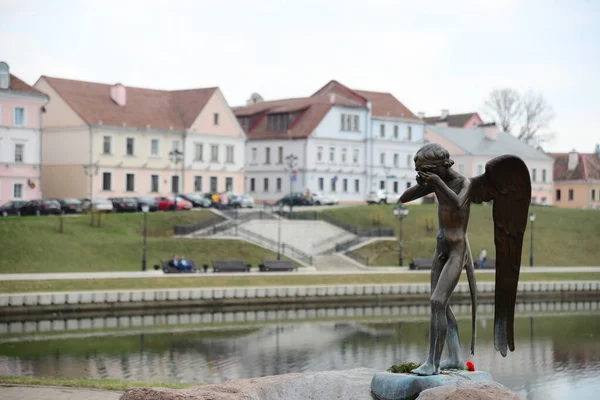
x,y
68,138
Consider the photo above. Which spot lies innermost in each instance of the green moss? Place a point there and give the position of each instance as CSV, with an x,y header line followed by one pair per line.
x,y
405,368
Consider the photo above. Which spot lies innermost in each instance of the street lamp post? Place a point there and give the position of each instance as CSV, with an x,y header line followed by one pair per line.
x,y
279,231
400,212
91,170
532,220
145,209
176,156
291,161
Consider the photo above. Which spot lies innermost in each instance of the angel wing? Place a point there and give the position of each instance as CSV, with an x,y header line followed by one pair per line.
x,y
505,181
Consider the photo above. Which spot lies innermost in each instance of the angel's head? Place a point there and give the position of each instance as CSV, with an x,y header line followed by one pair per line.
x,y
433,158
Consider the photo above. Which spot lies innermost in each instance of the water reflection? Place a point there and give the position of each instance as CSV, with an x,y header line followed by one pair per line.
x,y
557,356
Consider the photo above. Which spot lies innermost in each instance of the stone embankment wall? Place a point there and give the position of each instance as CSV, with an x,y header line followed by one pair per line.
x,y
37,303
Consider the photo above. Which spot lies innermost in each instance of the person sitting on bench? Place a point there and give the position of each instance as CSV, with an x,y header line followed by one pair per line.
x,y
184,265
174,262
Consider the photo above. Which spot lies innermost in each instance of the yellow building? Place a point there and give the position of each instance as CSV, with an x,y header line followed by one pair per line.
x,y
577,179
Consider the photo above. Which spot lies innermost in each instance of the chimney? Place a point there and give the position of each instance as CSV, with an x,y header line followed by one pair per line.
x,y
490,131
118,94
573,160
421,114
444,114
598,150
332,97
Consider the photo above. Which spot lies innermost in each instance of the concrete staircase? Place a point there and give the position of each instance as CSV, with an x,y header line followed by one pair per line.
x,y
334,262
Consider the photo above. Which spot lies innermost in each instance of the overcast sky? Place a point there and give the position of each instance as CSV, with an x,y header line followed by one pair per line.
x,y
429,54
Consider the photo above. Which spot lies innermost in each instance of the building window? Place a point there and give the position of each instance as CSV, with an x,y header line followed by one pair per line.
x,y
280,155
252,185
267,155
395,187
319,153
409,133
408,184
571,195
355,156
130,146
278,122
382,158
593,194
214,153
18,191
350,123
175,184
229,184
344,151
107,181
382,185
345,185
197,184
229,155
175,145
357,185
534,175
557,194
479,169
216,118
461,168
198,152
254,154
129,183
355,127
321,184
279,184
395,131
409,161
19,116
154,148
332,154
343,123
396,160
544,201
19,152
107,145
265,184
214,184
333,182
382,130
154,183
544,175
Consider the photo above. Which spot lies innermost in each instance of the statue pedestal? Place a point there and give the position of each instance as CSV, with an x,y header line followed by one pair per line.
x,y
390,386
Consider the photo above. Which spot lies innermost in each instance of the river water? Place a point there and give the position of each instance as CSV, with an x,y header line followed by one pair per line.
x,y
557,345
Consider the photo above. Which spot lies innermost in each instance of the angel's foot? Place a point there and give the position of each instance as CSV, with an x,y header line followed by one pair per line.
x,y
452,363
426,370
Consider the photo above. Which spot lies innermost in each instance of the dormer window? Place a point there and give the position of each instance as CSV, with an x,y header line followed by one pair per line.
x,y
278,122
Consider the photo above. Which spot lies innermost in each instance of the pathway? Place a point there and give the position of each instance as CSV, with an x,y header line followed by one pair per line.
x,y
55,392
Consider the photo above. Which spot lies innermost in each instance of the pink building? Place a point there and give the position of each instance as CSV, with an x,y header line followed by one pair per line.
x,y
21,108
471,149
467,121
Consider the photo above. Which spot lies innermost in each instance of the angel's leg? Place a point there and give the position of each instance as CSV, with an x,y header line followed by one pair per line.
x,y
448,279
454,360
439,260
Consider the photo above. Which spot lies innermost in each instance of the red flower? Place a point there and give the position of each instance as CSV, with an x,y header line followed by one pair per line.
x,y
470,366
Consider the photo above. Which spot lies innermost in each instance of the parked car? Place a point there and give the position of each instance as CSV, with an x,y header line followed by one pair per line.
x,y
124,204
146,200
294,199
197,200
40,207
241,201
11,208
319,198
70,206
168,203
382,197
97,204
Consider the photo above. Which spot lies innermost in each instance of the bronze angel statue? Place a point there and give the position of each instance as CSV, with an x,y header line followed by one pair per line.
x,y
506,182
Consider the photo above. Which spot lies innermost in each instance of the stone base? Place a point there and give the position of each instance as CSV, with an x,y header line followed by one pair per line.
x,y
390,386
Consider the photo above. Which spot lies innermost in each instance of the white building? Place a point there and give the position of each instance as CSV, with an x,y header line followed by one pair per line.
x,y
332,142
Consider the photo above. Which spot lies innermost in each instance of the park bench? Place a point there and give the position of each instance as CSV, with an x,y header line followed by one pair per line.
x,y
420,263
490,263
276,266
230,266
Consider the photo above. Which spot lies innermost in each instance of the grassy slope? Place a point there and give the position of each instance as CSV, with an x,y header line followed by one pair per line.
x,y
562,237
201,280
103,384
33,244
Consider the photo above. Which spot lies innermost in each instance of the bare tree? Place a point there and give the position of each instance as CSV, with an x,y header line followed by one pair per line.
x,y
504,107
537,114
